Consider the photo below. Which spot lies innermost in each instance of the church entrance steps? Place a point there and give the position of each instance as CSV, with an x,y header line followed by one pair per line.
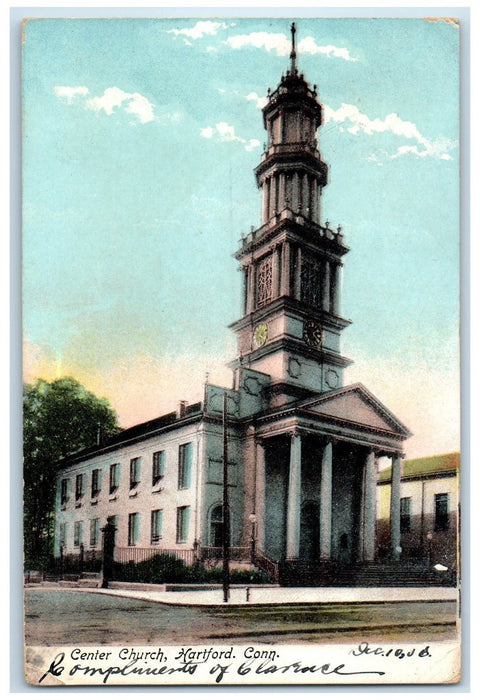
x,y
379,575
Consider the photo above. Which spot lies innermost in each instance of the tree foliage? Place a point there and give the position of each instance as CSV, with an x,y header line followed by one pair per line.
x,y
60,418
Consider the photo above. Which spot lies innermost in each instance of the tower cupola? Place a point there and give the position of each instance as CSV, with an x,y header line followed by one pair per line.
x,y
292,174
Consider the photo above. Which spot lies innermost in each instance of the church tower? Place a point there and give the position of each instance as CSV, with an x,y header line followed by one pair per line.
x,y
291,265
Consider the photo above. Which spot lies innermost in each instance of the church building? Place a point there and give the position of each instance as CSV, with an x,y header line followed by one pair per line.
x,y
303,448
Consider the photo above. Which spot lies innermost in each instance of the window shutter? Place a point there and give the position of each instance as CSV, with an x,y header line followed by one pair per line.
x,y
136,528
186,522
188,464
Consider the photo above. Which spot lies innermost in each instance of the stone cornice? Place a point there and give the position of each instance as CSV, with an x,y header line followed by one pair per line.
x,y
288,303
296,346
105,449
381,444
298,229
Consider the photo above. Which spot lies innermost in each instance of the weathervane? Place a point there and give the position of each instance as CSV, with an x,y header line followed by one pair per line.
x,y
293,54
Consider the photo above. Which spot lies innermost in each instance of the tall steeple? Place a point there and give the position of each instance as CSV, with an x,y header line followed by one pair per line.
x,y
291,325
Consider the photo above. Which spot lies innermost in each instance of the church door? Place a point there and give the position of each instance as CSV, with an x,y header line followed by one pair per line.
x,y
216,527
309,532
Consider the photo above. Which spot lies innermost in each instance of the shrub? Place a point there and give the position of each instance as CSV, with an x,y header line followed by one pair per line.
x,y
166,568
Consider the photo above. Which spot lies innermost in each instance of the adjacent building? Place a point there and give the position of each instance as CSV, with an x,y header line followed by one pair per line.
x,y
429,510
303,449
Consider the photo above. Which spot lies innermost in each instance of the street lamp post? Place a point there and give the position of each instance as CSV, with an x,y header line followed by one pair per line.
x,y
253,519
430,548
226,506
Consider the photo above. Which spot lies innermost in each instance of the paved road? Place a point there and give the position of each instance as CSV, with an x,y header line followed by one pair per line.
x,y
55,617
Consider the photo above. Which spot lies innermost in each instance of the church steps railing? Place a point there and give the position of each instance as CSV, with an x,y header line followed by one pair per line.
x,y
269,566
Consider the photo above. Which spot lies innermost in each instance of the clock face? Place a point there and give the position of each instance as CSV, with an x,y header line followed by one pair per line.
x,y
312,334
260,334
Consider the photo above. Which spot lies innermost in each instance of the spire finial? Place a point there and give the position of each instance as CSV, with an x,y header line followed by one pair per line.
x,y
293,54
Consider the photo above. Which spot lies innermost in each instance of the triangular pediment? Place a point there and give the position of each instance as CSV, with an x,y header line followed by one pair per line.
x,y
356,404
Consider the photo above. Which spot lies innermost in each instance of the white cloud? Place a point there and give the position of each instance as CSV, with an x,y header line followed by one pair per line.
x,y
200,29
259,101
261,40
282,46
226,132
394,125
207,132
309,45
70,92
113,98
252,143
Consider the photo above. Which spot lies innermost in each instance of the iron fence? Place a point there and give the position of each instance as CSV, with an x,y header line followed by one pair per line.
x,y
235,553
85,560
137,555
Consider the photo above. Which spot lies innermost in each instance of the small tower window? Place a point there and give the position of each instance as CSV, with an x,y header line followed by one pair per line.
x,y
311,282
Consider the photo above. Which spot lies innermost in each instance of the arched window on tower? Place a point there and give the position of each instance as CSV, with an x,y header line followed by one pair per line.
x,y
264,281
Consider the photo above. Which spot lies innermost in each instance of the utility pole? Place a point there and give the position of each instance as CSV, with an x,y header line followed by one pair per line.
x,y
226,506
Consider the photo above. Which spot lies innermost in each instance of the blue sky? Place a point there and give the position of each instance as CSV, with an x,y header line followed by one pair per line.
x,y
140,140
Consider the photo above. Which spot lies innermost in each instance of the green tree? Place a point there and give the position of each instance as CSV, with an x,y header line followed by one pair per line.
x,y
59,419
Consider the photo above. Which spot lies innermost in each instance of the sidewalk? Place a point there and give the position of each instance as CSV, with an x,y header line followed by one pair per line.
x,y
258,595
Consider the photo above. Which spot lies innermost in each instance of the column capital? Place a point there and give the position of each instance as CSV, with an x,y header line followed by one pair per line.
x,y
294,432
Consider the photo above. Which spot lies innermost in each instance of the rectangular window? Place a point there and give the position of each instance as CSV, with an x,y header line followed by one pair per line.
x,y
135,464
156,526
133,529
63,534
158,467
114,477
79,487
94,532
185,455
441,511
405,514
96,482
183,522
65,491
77,533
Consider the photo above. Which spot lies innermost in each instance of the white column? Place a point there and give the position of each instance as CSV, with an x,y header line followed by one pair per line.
x,y
298,274
305,198
281,192
326,286
251,289
295,193
271,197
265,201
313,200
335,288
369,507
260,494
286,269
326,502
275,272
395,507
293,499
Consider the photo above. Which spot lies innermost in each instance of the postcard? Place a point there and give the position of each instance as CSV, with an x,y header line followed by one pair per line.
x,y
241,355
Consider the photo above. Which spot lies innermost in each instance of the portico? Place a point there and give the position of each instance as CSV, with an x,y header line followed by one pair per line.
x,y
316,477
